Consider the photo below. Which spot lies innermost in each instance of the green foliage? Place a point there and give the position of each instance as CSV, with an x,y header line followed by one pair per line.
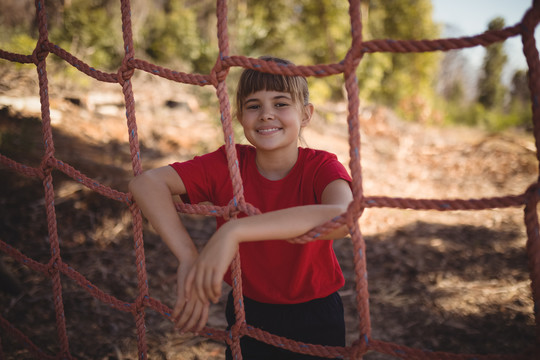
x,y
91,30
469,114
183,33
20,43
519,87
328,38
258,29
490,88
170,34
327,26
493,109
302,31
519,107
499,121
404,81
517,114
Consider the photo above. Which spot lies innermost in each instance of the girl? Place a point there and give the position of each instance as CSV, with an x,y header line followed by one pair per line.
x,y
289,289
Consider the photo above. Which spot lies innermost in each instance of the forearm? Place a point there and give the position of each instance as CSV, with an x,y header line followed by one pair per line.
x,y
207,272
155,200
286,223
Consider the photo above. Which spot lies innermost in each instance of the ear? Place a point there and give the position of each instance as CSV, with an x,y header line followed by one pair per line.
x,y
238,116
308,113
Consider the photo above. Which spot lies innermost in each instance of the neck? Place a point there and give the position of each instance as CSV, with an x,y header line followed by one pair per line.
x,y
275,166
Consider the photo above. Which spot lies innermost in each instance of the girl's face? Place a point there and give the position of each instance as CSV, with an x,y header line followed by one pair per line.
x,y
272,120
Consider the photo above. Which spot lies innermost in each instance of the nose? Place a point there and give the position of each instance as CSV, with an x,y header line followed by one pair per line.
x,y
267,114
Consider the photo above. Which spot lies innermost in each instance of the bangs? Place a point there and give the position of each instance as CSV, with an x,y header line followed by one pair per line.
x,y
256,81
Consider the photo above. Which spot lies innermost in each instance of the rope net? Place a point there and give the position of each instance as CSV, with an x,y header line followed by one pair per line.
x,y
55,268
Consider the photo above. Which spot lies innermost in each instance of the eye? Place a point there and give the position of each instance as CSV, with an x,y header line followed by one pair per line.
x,y
252,107
281,104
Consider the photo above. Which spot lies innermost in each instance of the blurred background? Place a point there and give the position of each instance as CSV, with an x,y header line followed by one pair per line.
x,y
423,87
453,124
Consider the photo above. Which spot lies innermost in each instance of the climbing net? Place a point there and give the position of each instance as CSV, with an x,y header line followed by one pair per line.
x,y
55,268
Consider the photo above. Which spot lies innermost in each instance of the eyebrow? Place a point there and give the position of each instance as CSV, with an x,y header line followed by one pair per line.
x,y
277,97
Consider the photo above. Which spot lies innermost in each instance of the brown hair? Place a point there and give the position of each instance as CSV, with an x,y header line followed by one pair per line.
x,y
252,81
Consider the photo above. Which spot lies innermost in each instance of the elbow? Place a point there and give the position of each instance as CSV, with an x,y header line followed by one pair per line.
x,y
343,208
133,184
150,181
342,231
340,209
137,184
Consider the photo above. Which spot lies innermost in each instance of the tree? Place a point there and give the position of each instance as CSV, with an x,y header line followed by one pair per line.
x,y
89,29
400,80
491,91
519,87
258,29
454,80
519,106
170,33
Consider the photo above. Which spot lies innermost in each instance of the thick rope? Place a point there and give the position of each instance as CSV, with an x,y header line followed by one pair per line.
x,y
55,268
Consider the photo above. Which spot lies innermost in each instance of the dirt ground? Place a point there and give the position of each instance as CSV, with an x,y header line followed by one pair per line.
x,y
445,281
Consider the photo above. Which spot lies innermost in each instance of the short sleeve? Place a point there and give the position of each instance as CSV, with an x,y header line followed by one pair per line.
x,y
330,169
203,176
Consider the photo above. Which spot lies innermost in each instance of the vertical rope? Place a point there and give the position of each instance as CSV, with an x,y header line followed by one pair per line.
x,y
40,55
124,75
355,209
219,76
529,22
533,249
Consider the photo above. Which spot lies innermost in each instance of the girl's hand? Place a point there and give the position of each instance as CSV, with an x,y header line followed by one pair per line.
x,y
189,314
206,276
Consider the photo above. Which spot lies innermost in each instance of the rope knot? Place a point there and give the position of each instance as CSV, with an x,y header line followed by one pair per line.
x,y
219,73
235,333
140,303
532,194
354,211
40,52
125,72
359,348
48,163
52,267
231,211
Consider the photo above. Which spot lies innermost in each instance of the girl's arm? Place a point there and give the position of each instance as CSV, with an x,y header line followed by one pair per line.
x,y
207,273
153,191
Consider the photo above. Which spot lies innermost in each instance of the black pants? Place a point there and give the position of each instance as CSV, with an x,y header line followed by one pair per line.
x,y
320,321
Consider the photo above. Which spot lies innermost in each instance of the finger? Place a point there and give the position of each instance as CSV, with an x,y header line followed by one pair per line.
x,y
193,318
188,283
208,288
183,317
178,306
216,286
199,285
203,319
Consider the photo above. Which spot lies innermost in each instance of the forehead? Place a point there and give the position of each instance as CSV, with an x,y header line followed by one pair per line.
x,y
267,95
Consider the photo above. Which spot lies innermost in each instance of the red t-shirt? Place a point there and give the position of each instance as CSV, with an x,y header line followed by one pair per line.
x,y
273,271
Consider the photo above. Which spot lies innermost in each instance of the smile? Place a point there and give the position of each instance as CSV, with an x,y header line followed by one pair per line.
x,y
267,131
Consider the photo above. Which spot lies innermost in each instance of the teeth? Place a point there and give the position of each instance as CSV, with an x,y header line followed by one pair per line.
x,y
267,130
